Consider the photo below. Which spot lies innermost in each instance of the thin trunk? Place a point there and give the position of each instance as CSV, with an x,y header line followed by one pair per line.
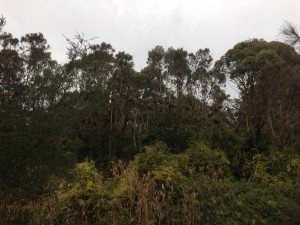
x,y
110,133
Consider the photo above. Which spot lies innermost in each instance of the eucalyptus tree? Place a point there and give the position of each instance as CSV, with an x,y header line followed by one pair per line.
x,y
30,82
247,64
11,68
38,63
205,81
177,68
200,76
156,66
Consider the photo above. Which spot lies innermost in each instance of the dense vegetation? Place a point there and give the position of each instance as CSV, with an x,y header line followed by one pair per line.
x,y
93,141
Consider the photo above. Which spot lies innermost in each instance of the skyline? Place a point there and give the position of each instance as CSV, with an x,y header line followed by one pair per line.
x,y
138,26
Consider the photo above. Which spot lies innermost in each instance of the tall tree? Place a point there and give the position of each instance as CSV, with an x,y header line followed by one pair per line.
x,y
30,82
245,66
156,66
178,68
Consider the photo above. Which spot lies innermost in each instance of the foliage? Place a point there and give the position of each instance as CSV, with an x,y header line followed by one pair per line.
x,y
151,191
93,141
279,170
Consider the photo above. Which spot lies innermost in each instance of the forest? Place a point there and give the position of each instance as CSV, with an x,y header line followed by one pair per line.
x,y
93,141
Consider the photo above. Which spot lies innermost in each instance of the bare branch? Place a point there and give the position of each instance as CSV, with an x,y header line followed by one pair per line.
x,y
78,46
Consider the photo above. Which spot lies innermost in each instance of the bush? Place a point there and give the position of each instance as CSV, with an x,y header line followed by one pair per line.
x,y
157,187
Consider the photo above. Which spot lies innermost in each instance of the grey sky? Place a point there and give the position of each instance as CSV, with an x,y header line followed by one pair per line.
x,y
136,26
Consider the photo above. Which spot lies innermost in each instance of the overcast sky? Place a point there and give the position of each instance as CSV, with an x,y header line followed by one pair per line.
x,y
136,26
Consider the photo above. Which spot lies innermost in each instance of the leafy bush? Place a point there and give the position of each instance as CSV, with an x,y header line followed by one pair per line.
x,y
157,187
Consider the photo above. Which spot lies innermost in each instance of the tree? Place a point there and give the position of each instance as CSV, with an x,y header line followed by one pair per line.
x,y
178,68
278,86
11,68
156,66
245,65
200,77
30,88
120,87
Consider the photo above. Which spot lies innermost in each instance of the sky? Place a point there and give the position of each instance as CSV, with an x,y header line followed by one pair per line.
x,y
137,26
